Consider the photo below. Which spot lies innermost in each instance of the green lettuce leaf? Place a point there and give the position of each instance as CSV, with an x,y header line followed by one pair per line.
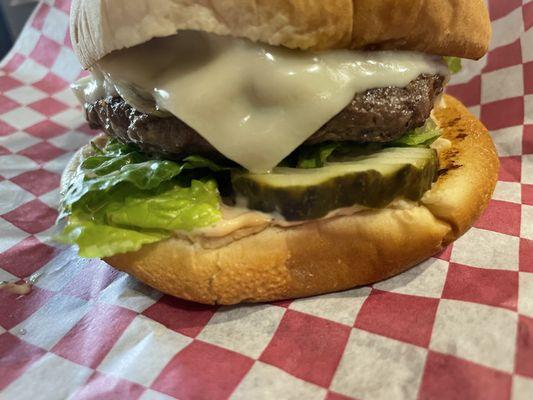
x,y
120,199
454,64
423,136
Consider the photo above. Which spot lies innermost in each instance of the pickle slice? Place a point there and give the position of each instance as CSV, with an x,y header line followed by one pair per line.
x,y
372,181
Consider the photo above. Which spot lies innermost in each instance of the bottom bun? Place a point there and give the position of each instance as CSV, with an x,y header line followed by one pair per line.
x,y
333,254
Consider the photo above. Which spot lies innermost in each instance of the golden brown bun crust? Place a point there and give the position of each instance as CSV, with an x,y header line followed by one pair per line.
x,y
330,255
445,27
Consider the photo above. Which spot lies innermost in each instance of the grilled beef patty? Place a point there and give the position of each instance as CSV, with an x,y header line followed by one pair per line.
x,y
377,115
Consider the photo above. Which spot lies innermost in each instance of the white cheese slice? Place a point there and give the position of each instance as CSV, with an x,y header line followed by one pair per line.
x,y
253,102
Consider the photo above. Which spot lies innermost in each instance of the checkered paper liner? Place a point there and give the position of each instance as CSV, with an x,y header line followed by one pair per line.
x,y
459,325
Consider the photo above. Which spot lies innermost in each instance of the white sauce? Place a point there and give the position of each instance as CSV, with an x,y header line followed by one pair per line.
x,y
253,102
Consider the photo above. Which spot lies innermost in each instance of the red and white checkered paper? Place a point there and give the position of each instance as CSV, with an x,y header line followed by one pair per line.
x,y
458,326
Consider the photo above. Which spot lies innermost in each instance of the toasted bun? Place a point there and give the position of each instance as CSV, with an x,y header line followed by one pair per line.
x,y
336,254
445,27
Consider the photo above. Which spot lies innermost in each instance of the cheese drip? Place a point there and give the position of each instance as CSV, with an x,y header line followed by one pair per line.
x,y
253,102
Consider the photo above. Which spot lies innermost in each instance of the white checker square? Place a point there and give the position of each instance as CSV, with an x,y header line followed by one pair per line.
x,y
70,140
18,141
143,350
265,382
528,108
57,165
153,395
71,118
25,94
23,117
129,293
51,198
66,96
56,25
526,229
2,330
13,165
525,294
47,236
527,169
522,388
6,276
507,29
426,279
50,323
245,330
12,196
475,110
487,249
502,84
10,234
27,42
508,141
341,307
470,68
66,65
60,270
482,334
379,368
527,49
30,71
50,377
508,191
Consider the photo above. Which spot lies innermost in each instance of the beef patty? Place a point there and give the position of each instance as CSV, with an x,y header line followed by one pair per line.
x,y
377,115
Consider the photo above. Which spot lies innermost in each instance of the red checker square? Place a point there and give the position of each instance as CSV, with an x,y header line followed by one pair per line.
x,y
499,9
89,341
14,63
307,347
527,194
85,128
105,387
505,56
26,257
49,106
526,255
46,129
15,357
203,371
6,104
18,308
447,377
510,169
42,152
63,5
469,93
88,284
445,254
501,216
527,140
503,113
40,17
38,181
485,286
67,42
282,303
402,317
32,217
8,83
336,396
45,51
51,83
524,347
6,129
4,151
528,78
527,13
181,316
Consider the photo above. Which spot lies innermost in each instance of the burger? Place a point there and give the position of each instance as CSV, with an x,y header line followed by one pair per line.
x,y
262,150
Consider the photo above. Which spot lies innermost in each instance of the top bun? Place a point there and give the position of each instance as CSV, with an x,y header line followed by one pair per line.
x,y
443,27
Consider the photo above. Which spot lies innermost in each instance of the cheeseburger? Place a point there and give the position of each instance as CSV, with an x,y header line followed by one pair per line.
x,y
263,150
